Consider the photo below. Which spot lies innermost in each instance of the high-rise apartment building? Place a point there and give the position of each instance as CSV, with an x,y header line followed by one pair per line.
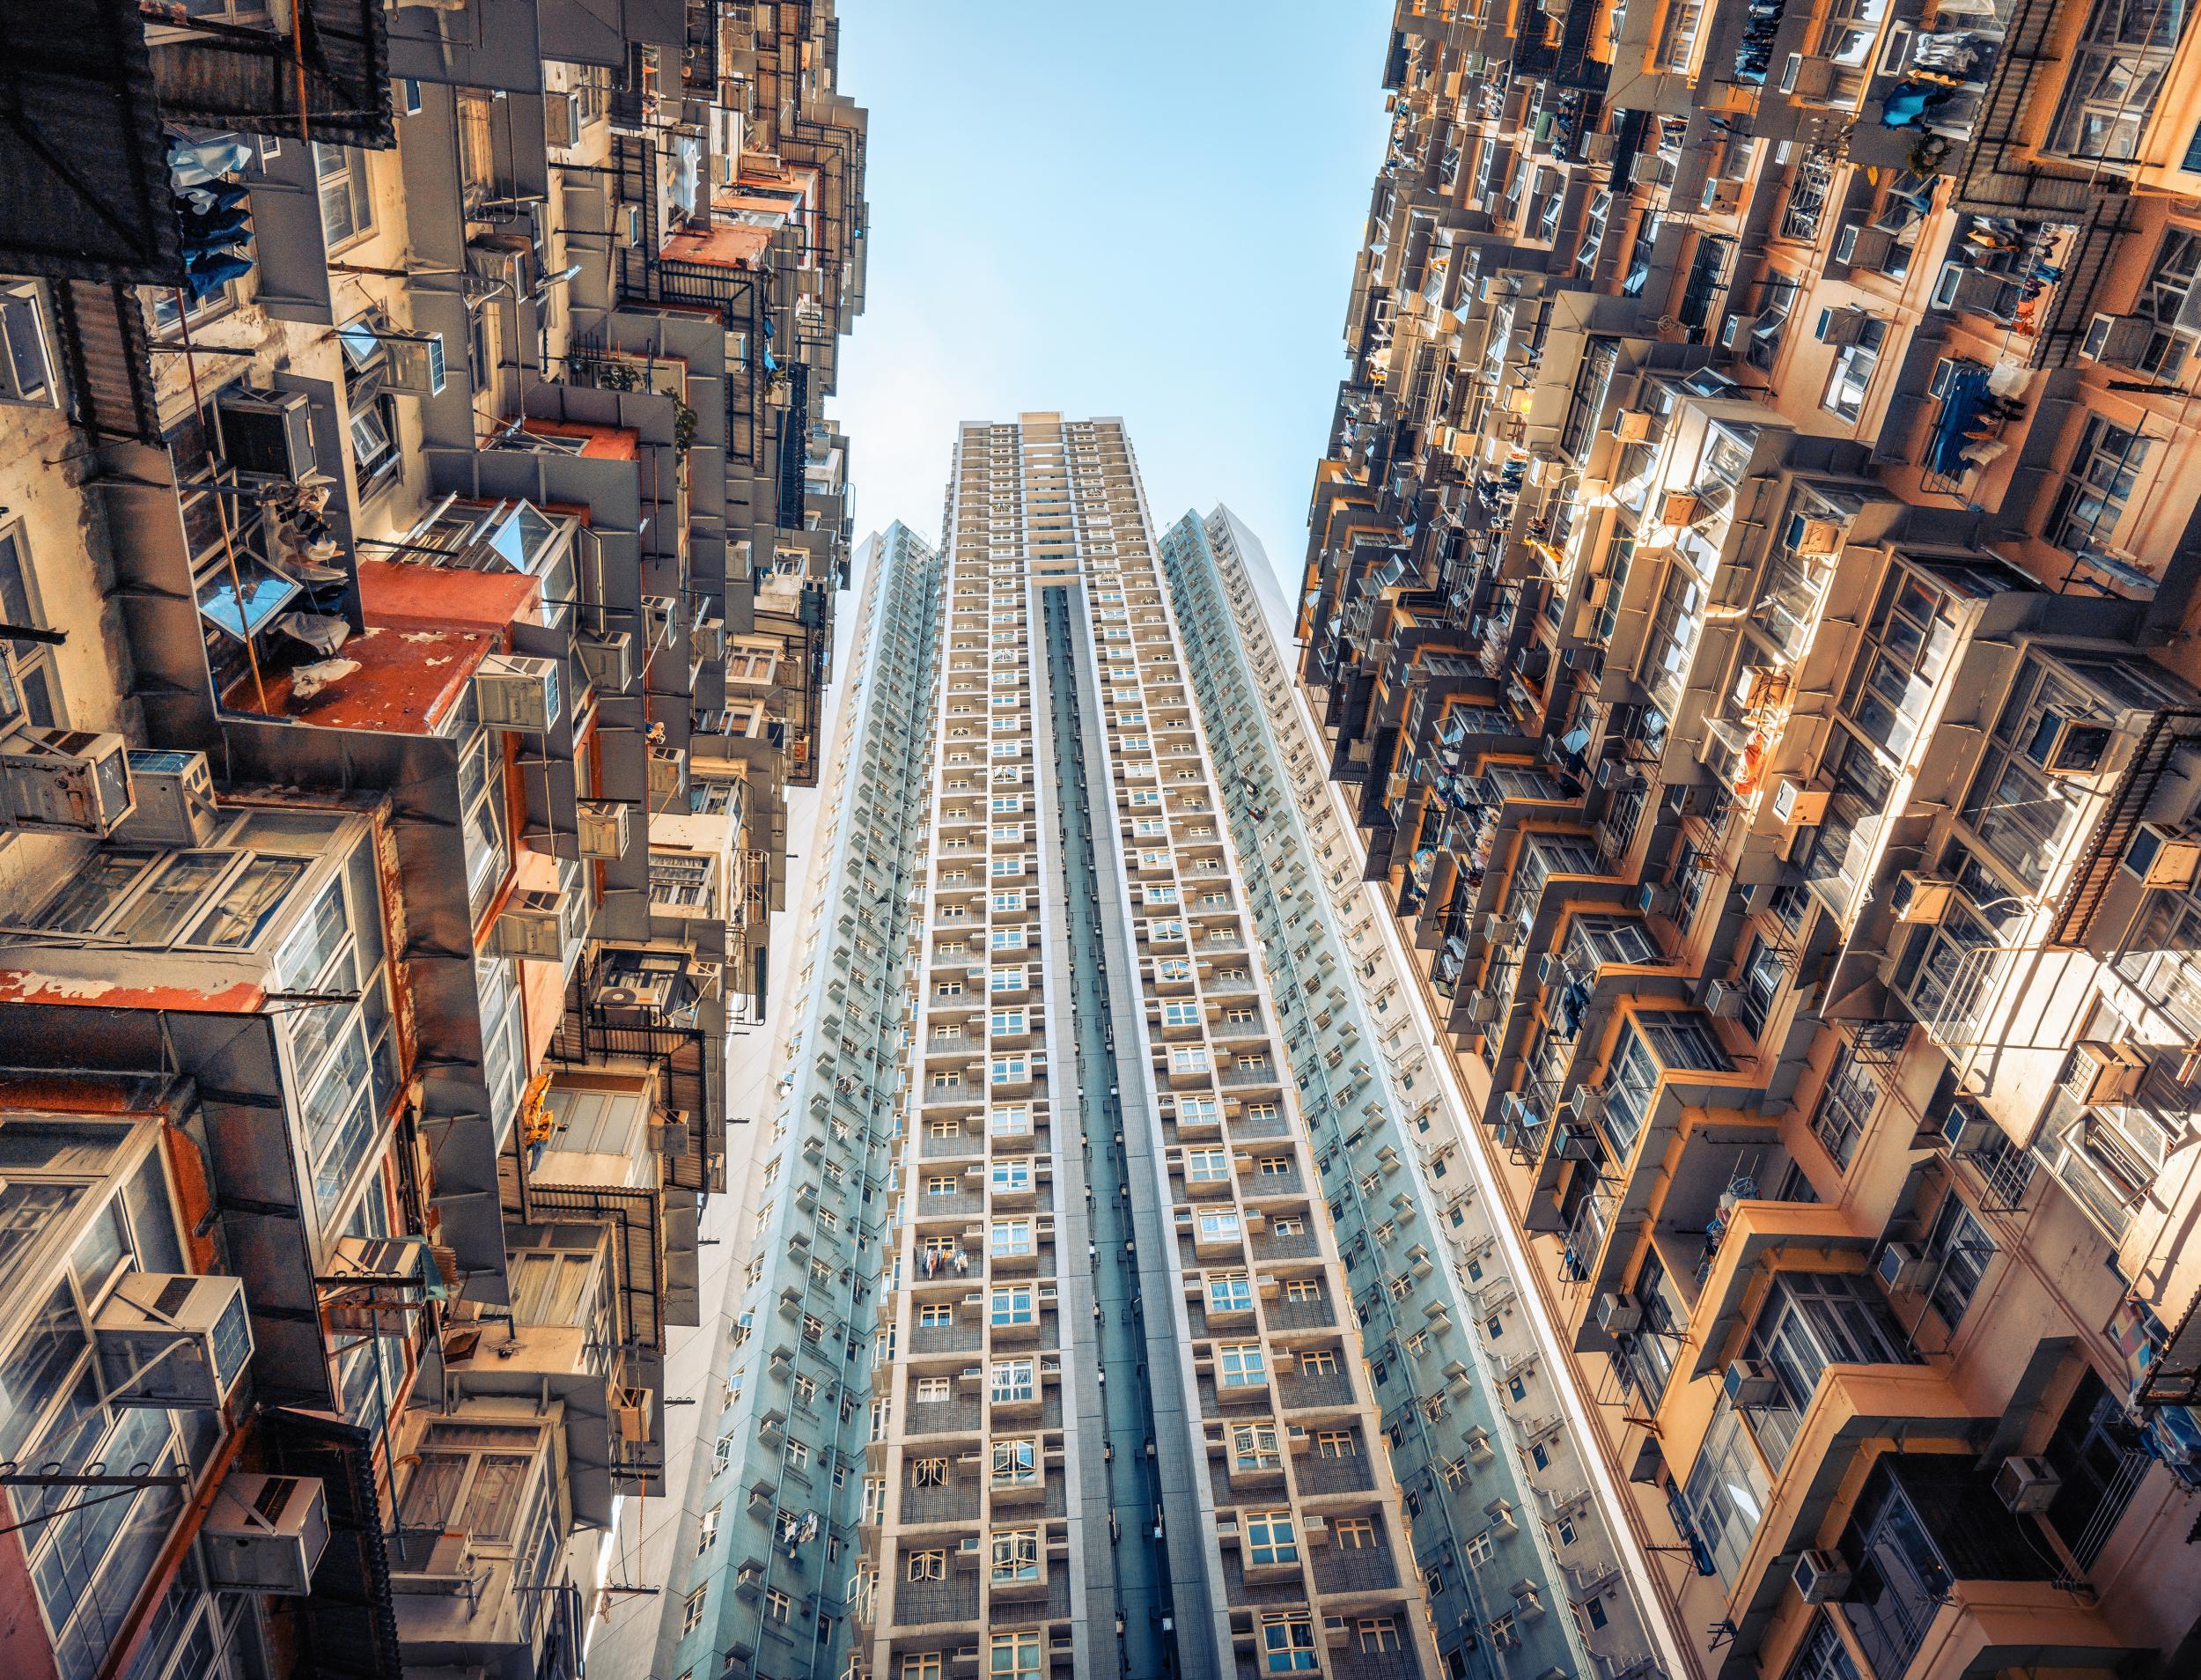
x,y
418,541
1749,613
1099,1315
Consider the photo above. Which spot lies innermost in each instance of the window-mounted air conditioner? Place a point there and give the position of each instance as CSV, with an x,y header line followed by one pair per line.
x,y
265,1533
1796,804
266,434
2026,1483
1821,1578
1618,1313
657,614
1677,507
413,362
1632,425
1922,899
1723,998
540,922
511,691
2160,856
603,828
1966,1130
562,121
709,638
1902,1265
608,659
2069,745
1815,538
1751,1382
173,1340
668,776
2105,1071
72,779
174,795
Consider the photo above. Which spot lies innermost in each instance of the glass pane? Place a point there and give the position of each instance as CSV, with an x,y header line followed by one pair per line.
x,y
160,912
249,903
432,1492
84,904
495,1496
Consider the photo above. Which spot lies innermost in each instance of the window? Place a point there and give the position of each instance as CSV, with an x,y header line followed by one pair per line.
x,y
1014,1379
922,1665
692,1611
2115,79
707,1531
1379,1633
1477,1549
1269,1538
1207,1165
1013,1305
1012,1177
1241,1365
31,687
1016,1555
1230,1291
347,205
777,1606
1336,1443
1015,1462
25,367
942,1184
1302,1289
1287,1644
928,1565
1219,1227
1960,1248
1254,1448
929,1392
2097,486
1354,1534
928,1472
1851,374
1847,1103
1013,1656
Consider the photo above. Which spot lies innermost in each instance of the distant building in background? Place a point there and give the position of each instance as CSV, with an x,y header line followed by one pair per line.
x,y
418,539
1100,1318
1749,614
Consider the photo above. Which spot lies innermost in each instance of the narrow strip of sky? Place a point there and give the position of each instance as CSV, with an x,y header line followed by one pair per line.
x,y
1142,210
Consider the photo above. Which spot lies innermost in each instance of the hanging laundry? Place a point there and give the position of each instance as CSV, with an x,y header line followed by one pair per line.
x,y
196,163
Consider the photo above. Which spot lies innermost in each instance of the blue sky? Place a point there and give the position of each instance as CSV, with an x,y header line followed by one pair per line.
x,y
1137,209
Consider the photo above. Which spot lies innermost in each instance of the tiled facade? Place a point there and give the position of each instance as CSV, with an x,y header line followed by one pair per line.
x,y
1046,1365
418,538
1748,615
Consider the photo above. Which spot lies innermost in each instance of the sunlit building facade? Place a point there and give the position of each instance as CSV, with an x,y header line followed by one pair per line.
x,y
418,538
1049,1362
1747,612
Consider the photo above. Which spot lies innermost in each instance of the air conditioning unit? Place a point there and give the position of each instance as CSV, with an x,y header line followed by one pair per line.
x,y
2026,1484
2105,1071
668,776
1588,1106
1493,928
1632,425
1817,539
1902,1265
511,691
503,260
630,1416
1807,76
173,1340
603,828
657,612
707,979
264,1534
1617,1313
1966,1130
174,800
608,659
1751,1382
2069,745
709,638
1723,998
1482,1007
1922,900
72,779
1821,1578
413,362
538,923
2158,855
1677,507
266,434
562,118
1796,804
